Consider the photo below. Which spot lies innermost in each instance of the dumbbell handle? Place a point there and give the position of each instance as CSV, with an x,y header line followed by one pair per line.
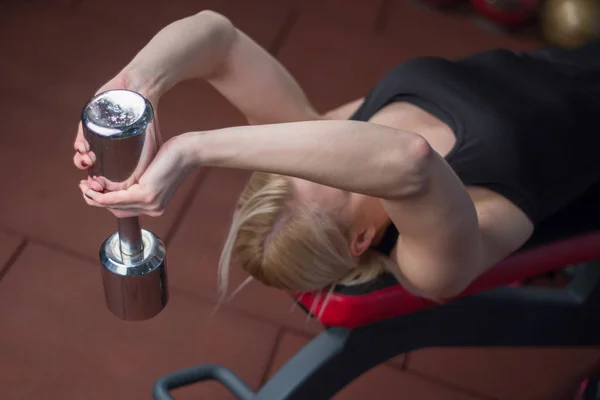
x,y
130,237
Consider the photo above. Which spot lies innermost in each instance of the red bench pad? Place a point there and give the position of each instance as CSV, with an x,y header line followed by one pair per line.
x,y
353,310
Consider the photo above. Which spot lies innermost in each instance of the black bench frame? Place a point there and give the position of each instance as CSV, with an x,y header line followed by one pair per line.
x,y
504,317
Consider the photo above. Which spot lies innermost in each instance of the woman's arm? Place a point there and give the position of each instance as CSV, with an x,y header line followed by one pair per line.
x,y
208,46
350,155
440,250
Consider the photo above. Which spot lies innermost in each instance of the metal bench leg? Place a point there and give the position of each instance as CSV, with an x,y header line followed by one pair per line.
x,y
201,373
325,365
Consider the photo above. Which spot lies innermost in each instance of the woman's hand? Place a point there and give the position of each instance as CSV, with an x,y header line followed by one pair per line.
x,y
151,195
84,158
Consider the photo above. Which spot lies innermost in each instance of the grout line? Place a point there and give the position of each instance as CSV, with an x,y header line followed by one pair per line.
x,y
274,351
284,32
382,18
448,385
13,258
71,253
187,203
54,247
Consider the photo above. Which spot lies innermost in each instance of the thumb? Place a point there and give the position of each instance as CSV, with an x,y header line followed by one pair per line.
x,y
106,184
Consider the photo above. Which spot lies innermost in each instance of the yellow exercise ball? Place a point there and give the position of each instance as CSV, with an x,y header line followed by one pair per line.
x,y
570,23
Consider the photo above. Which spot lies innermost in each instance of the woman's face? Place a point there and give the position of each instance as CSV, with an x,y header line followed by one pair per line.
x,y
365,216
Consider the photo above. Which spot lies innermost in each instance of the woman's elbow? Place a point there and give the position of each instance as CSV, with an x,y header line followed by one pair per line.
x,y
437,290
219,27
413,161
451,289
214,19
440,281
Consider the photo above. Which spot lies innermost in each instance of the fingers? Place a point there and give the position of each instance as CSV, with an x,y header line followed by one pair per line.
x,y
110,199
116,212
77,160
84,158
111,186
96,185
97,190
132,198
90,184
94,198
131,202
84,161
81,145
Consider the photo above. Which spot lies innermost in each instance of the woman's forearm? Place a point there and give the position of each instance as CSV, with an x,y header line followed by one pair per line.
x,y
193,47
350,155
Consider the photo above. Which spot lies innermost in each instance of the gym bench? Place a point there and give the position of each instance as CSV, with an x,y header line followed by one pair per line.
x,y
368,324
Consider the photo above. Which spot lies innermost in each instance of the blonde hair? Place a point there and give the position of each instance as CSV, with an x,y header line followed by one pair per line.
x,y
292,246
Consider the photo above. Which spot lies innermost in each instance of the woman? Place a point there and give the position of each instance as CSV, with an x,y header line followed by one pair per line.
x,y
464,158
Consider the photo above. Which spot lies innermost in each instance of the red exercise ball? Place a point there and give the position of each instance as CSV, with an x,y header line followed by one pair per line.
x,y
508,13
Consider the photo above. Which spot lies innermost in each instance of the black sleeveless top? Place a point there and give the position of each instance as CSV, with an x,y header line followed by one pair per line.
x,y
525,125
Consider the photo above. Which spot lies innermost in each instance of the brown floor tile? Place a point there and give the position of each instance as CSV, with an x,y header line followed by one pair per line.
x,y
509,374
260,19
381,382
196,247
431,32
58,340
62,56
336,64
9,243
65,4
355,14
146,16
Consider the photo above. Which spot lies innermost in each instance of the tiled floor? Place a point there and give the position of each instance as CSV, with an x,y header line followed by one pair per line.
x,y
58,341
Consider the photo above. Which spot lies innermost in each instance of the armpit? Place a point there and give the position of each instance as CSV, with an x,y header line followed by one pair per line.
x,y
344,111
